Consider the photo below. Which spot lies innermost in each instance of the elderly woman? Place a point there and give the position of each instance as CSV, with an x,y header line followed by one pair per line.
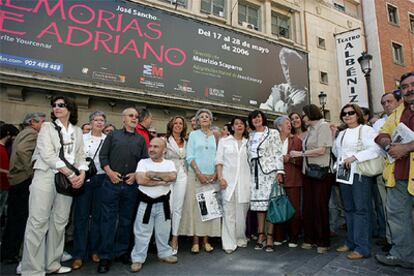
x,y
176,133
201,155
264,150
49,210
298,126
234,179
356,197
86,206
293,181
316,192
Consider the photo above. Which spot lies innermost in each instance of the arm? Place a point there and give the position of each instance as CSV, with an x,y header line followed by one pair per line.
x,y
24,150
145,179
46,149
164,176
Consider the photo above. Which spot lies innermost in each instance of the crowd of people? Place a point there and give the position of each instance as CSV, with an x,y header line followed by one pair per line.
x,y
150,186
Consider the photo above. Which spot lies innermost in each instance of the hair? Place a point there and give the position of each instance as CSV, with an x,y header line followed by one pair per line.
x,y
406,75
302,125
228,125
83,125
358,111
397,95
37,116
203,110
231,124
8,129
170,126
70,106
365,111
253,115
109,125
95,114
279,121
144,113
313,112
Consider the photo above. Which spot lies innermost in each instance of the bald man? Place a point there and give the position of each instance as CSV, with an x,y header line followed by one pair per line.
x,y
154,175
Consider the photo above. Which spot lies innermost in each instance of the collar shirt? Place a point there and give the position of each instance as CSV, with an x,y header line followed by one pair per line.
x,y
318,136
92,146
379,123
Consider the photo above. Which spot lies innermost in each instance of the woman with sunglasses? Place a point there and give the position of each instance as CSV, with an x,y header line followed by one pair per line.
x,y
49,210
357,195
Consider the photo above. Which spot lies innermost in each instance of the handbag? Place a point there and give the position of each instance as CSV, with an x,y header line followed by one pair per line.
x,y
372,167
62,183
315,171
92,170
280,209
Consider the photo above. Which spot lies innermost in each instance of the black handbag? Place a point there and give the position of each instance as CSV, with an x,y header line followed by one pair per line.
x,y
92,171
62,183
315,171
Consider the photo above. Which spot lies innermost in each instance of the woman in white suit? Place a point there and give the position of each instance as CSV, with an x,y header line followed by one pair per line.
x,y
233,173
176,132
49,210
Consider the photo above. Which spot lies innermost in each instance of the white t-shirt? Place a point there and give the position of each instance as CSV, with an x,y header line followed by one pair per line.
x,y
254,143
145,165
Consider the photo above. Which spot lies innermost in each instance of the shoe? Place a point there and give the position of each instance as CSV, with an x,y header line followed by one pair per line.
x,y
268,248
260,242
77,264
322,250
391,260
195,249
124,258
169,259
292,245
104,266
228,251
241,243
62,270
306,246
355,256
65,257
95,258
343,249
136,267
19,269
208,248
277,243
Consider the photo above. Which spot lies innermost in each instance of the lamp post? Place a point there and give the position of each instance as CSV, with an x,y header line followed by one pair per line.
x,y
365,61
322,101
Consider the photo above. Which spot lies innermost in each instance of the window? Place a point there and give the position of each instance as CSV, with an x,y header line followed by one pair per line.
x,y
392,14
280,25
321,43
397,53
411,22
323,78
177,2
249,14
339,7
215,7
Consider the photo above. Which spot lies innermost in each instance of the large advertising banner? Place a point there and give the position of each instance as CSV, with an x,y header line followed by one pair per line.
x,y
125,44
351,78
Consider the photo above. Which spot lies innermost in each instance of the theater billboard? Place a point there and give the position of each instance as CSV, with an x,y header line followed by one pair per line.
x,y
139,48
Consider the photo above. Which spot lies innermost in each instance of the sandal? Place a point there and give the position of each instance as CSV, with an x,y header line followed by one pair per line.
x,y
208,248
269,246
260,243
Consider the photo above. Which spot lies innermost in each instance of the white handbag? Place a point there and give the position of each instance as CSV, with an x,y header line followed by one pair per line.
x,y
372,167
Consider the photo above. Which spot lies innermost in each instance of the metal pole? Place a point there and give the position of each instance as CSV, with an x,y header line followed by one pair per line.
x,y
368,80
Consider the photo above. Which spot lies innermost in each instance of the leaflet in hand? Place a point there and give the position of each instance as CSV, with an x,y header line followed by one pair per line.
x,y
401,135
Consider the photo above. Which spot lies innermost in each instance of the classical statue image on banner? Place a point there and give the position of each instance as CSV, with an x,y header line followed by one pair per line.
x,y
286,97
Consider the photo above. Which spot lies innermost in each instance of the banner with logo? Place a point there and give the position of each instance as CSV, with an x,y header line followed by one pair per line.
x,y
351,78
125,44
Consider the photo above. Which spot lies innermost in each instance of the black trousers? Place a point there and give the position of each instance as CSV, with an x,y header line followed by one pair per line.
x,y
17,214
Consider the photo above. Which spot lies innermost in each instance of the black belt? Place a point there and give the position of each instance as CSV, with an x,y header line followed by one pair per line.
x,y
165,199
255,162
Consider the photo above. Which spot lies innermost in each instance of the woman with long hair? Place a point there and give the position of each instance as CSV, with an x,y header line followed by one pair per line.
x,y
298,125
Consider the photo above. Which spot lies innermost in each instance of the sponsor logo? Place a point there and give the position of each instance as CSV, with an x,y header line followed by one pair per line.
x,y
214,92
153,71
184,87
105,76
252,102
236,98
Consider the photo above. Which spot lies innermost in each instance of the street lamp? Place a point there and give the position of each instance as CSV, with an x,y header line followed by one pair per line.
x,y
365,61
322,101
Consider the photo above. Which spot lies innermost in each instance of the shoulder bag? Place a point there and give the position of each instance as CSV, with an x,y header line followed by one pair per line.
x,y
280,209
372,167
92,170
62,183
315,171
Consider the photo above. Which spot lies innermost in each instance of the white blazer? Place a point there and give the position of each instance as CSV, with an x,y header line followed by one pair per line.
x,y
236,170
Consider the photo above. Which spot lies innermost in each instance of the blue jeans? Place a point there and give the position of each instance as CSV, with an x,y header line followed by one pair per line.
x,y
87,215
119,205
399,207
143,233
358,209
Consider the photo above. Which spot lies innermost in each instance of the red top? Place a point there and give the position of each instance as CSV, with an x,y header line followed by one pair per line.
x,y
141,130
293,168
4,164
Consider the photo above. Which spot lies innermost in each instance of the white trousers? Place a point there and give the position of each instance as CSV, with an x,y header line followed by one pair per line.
x,y
45,228
234,223
177,199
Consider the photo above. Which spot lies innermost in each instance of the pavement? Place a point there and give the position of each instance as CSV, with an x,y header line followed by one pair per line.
x,y
247,261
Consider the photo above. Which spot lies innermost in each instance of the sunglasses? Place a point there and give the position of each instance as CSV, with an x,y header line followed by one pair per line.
x,y
349,113
60,105
132,115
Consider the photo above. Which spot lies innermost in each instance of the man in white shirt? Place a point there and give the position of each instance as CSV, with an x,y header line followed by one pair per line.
x,y
154,175
389,102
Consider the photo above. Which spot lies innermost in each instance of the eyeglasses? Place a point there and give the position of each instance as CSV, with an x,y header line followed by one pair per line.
x,y
132,115
60,105
349,113
405,86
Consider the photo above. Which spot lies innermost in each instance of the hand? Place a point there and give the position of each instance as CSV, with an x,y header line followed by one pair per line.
x,y
280,179
115,177
334,130
65,171
286,158
295,153
130,178
398,151
347,162
223,183
77,180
